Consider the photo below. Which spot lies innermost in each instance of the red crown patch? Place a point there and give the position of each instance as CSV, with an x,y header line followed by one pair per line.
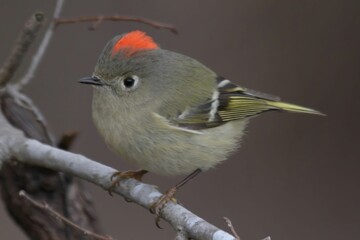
x,y
133,42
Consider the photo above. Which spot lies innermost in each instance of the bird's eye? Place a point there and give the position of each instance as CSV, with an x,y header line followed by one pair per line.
x,y
129,83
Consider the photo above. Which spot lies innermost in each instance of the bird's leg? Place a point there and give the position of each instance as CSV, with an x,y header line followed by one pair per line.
x,y
118,176
165,198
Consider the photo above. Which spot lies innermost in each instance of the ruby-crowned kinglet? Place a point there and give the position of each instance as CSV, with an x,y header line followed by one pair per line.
x,y
168,113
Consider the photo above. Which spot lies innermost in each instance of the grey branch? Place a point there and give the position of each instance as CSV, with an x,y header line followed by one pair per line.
x,y
22,44
13,143
42,48
145,195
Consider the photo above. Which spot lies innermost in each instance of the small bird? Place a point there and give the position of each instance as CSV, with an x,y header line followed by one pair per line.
x,y
166,112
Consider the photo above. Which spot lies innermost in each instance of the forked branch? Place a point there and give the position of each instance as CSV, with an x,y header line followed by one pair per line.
x,y
25,38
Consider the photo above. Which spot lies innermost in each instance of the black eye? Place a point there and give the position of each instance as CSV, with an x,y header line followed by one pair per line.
x,y
129,82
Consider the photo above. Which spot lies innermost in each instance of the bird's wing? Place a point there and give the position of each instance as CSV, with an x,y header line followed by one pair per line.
x,y
231,102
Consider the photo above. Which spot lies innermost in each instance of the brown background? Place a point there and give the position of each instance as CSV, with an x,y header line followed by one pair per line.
x,y
295,177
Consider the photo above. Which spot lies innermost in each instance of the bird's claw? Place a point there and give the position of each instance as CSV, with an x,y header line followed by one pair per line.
x,y
118,176
160,204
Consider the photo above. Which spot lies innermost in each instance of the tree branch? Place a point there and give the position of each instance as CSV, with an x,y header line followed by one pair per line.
x,y
96,20
63,193
57,215
34,152
14,144
24,40
42,48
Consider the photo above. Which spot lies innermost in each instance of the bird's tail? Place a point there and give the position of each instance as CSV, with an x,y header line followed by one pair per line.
x,y
292,108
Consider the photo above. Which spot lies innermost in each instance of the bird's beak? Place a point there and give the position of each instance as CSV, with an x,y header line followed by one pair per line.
x,y
91,80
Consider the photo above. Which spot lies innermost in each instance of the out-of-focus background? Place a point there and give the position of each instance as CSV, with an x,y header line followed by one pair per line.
x,y
295,177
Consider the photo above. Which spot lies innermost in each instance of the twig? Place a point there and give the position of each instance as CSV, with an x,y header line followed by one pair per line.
x,y
22,44
57,215
97,20
42,48
66,140
233,231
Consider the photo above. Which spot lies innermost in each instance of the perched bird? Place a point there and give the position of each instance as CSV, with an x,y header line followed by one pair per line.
x,y
168,113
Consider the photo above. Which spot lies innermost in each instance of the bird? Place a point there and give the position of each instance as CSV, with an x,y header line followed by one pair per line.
x,y
167,113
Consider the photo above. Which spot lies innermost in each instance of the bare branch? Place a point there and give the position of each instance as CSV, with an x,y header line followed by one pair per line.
x,y
13,144
57,215
24,40
34,152
42,48
64,193
229,223
97,20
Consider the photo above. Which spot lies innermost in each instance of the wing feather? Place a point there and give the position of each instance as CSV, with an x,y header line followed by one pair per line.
x,y
231,102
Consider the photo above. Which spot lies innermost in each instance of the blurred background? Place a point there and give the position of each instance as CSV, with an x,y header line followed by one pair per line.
x,y
295,177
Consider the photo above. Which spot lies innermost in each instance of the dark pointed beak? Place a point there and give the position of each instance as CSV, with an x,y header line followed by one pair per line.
x,y
91,80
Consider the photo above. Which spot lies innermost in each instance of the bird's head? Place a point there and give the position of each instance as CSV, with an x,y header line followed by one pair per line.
x,y
134,68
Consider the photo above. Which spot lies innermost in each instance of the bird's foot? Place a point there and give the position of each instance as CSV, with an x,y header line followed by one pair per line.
x,y
161,202
118,176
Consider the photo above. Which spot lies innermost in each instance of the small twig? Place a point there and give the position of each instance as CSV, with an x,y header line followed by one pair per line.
x,y
233,231
66,140
42,48
22,44
57,215
96,23
97,20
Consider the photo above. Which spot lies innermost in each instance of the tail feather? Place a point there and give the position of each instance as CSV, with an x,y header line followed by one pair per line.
x,y
293,108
